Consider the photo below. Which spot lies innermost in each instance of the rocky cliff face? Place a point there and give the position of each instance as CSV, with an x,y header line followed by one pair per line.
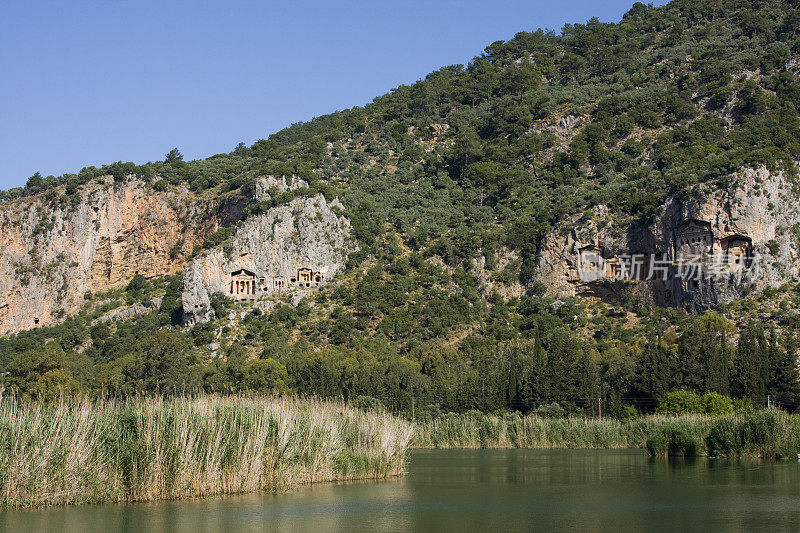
x,y
290,250
705,248
52,252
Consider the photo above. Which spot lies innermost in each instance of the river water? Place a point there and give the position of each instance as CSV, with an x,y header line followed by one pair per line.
x,y
482,490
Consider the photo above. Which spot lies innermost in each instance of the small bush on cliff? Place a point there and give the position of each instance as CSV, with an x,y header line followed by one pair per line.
x,y
218,237
136,284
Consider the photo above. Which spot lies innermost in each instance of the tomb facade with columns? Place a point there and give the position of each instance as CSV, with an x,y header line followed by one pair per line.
x,y
292,250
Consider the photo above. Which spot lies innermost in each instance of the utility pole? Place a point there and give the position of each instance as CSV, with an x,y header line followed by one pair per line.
x,y
599,408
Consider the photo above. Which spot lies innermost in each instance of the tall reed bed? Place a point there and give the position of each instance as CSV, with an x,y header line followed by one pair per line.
x,y
764,434
476,430
82,450
767,434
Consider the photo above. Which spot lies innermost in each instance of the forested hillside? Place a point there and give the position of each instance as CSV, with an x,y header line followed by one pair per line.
x,y
451,185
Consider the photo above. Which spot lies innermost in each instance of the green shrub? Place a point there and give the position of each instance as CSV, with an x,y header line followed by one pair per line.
x,y
368,403
723,439
680,402
136,284
716,404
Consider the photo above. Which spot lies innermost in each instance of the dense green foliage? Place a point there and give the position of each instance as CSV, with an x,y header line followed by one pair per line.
x,y
473,165
533,366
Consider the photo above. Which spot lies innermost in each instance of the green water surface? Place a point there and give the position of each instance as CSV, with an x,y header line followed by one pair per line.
x,y
482,490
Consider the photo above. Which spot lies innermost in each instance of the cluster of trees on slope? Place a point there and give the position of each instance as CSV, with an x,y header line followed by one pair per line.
x,y
541,356
470,160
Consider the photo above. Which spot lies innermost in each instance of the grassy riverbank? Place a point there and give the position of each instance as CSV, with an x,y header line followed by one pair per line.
x,y
79,451
764,434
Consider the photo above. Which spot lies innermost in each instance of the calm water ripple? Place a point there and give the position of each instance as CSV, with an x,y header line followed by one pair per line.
x,y
482,490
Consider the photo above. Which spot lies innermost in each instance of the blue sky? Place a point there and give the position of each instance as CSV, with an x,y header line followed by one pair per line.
x,y
86,83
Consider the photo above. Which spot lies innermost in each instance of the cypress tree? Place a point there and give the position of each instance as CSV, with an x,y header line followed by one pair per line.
x,y
538,378
655,371
784,383
705,355
751,364
718,365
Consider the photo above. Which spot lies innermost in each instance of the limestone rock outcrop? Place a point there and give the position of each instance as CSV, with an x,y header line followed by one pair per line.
x,y
290,249
701,249
266,185
54,249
